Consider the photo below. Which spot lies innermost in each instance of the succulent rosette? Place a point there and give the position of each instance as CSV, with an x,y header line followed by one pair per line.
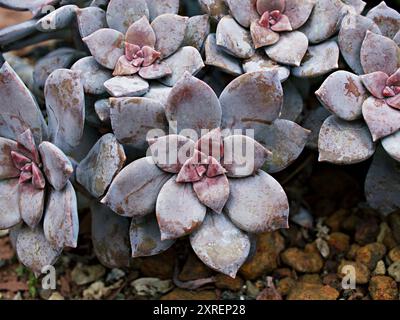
x,y
218,202
366,104
38,202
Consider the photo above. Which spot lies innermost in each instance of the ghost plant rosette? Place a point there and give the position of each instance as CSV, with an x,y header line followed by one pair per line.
x,y
366,105
38,202
204,191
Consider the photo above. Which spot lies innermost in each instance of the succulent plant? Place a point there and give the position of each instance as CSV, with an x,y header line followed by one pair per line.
x,y
37,199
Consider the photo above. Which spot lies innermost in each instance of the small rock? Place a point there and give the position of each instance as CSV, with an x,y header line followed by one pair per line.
x,y
394,271
383,288
251,290
151,286
350,222
270,292
283,273
96,291
362,274
394,254
308,260
310,278
114,275
223,281
394,222
194,269
56,296
4,233
335,220
312,291
83,274
339,242
332,280
18,296
386,236
181,294
159,266
367,231
351,254
370,254
380,269
303,218
323,247
285,285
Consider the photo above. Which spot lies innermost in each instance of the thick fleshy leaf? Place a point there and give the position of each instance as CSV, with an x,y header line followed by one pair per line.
x,y
106,46
26,141
34,251
394,102
260,62
324,20
382,184
387,19
90,19
213,192
233,38
262,36
379,53
141,33
15,32
343,142
31,204
145,238
197,30
351,36
7,167
101,165
257,204
211,144
220,245
382,120
65,104
25,5
102,108
56,165
158,92
170,32
286,140
186,59
290,49
375,83
57,19
134,191
356,5
122,13
244,11
155,71
171,152
243,156
392,145
216,57
61,223
93,75
110,237
192,104
293,103
126,86
313,122
319,60
298,12
19,110
9,209
133,118
251,99
343,94
159,7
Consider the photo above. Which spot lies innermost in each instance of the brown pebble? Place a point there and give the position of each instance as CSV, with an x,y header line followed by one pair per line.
x,y
308,260
362,272
194,269
367,231
383,288
351,254
310,278
370,254
285,285
339,242
181,294
394,254
312,291
334,221
223,281
394,223
160,266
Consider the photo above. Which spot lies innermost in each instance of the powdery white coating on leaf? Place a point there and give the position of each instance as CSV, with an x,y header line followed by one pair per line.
x,y
57,19
9,209
234,39
382,120
351,36
262,36
155,71
260,62
293,103
126,86
65,105
298,11
159,7
106,46
197,30
382,185
7,167
145,238
61,223
158,92
134,191
220,245
90,19
343,142
213,192
319,60
122,13
290,49
357,5
31,204
375,83
343,94
179,211
391,144
141,33
101,165
244,11
387,19
102,108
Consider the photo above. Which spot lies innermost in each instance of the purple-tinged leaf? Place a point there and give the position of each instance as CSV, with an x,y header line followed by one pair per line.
x,y
9,209
90,19
110,237
38,179
102,108
375,83
234,39
394,102
260,62
387,19
258,204
158,92
270,5
197,30
244,11
382,184
213,192
286,140
298,12
132,118
126,86
379,53
159,7
134,191
155,71
344,142
34,251
122,13
56,165
179,211
211,144
343,94
192,104
15,32
93,75
382,120
391,144
141,33
220,245
290,49
262,36
57,19
351,36
357,5
145,238
65,105
313,122
24,5
293,103
31,204
7,167
186,59
26,141
319,60
101,165
106,46
397,38
216,9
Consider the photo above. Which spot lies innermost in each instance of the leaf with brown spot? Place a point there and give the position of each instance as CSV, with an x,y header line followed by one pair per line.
x,y
260,62
387,19
9,209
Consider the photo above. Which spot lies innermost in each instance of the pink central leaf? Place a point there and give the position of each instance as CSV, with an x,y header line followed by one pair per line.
x,y
275,20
